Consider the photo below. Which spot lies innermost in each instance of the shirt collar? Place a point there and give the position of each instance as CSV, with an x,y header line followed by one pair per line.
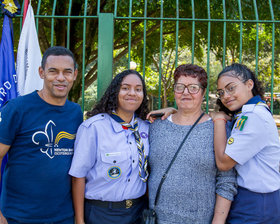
x,y
254,100
117,126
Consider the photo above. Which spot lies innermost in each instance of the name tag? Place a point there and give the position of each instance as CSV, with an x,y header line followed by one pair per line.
x,y
113,154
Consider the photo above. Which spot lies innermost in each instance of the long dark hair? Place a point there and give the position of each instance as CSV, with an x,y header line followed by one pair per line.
x,y
243,73
109,101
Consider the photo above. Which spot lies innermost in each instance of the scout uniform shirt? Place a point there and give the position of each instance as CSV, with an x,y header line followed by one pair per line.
x,y
254,145
107,155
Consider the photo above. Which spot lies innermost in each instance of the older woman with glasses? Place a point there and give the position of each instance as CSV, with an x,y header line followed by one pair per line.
x,y
193,191
253,147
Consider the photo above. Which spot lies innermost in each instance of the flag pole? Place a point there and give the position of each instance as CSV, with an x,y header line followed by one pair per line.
x,y
26,3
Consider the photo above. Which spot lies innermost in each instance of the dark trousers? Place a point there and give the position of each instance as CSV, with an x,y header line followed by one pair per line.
x,y
255,208
100,215
65,221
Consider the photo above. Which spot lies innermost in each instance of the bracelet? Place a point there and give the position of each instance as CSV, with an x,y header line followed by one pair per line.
x,y
220,119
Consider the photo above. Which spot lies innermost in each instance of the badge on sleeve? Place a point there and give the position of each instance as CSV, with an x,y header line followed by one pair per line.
x,y
114,172
241,122
230,140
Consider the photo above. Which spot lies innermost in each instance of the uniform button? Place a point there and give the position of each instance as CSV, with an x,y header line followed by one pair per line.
x,y
114,161
102,115
133,161
130,143
128,180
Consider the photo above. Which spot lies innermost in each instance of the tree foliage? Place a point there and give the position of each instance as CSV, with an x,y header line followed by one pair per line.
x,y
219,31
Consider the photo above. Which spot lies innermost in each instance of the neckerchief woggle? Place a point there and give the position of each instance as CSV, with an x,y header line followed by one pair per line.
x,y
143,161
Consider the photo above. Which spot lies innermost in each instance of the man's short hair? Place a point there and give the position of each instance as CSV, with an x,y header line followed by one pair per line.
x,y
57,51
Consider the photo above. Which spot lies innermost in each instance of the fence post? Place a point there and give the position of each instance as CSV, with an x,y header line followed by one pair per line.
x,y
105,52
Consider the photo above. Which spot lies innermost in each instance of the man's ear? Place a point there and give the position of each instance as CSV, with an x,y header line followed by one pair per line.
x,y
75,74
41,72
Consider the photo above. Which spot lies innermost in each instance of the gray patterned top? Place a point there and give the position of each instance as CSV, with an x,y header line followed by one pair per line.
x,y
188,194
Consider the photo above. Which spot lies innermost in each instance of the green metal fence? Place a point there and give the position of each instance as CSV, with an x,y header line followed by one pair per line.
x,y
245,31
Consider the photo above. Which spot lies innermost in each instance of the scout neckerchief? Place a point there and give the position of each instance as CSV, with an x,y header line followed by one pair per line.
x,y
143,171
254,100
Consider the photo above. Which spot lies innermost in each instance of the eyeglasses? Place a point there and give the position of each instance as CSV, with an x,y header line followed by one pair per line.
x,y
229,89
192,88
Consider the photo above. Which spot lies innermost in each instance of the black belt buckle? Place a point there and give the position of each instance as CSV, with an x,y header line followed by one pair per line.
x,y
128,203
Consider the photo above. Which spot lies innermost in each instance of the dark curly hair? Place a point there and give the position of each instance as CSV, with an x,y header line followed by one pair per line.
x,y
191,70
243,73
109,101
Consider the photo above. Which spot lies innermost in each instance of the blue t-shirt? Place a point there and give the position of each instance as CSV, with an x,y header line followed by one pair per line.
x,y
36,184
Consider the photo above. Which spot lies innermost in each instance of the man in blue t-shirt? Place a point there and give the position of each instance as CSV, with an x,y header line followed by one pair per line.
x,y
38,132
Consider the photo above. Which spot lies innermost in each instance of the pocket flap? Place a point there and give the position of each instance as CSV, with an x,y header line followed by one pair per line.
x,y
114,157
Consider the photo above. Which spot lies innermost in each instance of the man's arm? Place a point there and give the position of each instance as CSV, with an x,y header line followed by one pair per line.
x,y
222,207
165,111
3,151
78,193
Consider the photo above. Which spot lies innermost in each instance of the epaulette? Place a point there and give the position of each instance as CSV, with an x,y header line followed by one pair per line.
x,y
264,105
248,108
93,119
252,107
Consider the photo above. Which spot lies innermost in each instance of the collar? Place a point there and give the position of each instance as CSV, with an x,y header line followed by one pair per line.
x,y
117,126
254,100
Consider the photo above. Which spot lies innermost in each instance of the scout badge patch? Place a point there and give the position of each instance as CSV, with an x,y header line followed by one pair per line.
x,y
230,140
114,172
241,122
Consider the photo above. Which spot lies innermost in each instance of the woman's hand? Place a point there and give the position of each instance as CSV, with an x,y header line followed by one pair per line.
x,y
219,116
217,221
80,222
162,113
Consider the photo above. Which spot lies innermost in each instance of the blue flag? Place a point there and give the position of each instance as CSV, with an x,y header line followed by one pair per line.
x,y
8,87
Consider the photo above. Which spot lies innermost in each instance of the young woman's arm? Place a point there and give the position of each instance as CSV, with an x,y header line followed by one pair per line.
x,y
162,113
223,161
78,193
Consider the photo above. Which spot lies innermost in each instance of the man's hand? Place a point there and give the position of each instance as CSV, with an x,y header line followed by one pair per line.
x,y
3,220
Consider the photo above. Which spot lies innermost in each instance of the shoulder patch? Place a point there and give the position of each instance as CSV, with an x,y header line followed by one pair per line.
x,y
241,122
230,140
93,119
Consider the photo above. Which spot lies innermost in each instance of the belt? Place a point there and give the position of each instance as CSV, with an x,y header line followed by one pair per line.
x,y
116,204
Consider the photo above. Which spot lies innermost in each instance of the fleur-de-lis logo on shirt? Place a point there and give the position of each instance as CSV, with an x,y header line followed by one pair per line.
x,y
49,143
46,139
